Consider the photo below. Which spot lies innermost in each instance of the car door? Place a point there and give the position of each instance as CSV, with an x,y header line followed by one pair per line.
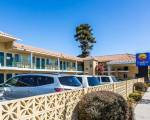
x,y
20,86
46,84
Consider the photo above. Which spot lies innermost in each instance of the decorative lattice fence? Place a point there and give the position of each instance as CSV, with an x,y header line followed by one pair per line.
x,y
57,106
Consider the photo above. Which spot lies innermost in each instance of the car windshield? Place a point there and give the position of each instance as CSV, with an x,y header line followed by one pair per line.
x,y
93,81
69,81
114,79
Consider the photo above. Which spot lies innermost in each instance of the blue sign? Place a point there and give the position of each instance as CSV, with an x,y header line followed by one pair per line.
x,y
143,59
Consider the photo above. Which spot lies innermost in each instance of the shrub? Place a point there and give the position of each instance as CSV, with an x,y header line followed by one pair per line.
x,y
148,84
103,105
139,86
136,96
131,110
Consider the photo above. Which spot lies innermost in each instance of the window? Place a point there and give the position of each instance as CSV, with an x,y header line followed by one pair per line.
x,y
61,65
125,76
1,59
1,78
33,60
42,80
105,79
43,63
64,65
126,68
56,62
48,62
22,81
114,79
69,81
80,79
9,59
81,66
68,64
28,80
17,58
93,81
73,65
38,63
8,76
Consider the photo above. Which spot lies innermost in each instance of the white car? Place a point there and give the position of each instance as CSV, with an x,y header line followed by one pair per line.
x,y
87,80
107,79
35,84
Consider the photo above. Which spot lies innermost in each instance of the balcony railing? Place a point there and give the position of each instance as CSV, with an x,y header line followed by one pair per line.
x,y
21,64
46,67
52,67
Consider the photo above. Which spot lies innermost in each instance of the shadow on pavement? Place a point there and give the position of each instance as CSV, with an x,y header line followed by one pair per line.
x,y
144,101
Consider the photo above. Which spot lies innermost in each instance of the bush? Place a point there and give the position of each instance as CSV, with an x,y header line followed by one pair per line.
x,y
103,105
136,96
139,86
148,84
131,110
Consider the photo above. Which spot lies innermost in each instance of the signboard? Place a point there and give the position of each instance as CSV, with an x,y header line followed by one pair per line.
x,y
142,59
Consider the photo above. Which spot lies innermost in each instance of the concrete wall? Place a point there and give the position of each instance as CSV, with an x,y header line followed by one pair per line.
x,y
57,106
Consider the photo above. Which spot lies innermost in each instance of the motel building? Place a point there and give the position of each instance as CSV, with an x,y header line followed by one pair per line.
x,y
16,58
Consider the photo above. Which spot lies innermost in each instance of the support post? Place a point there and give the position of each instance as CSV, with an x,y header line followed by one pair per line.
x,y
109,69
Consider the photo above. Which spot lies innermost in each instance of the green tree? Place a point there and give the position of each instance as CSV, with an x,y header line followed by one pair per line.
x,y
85,38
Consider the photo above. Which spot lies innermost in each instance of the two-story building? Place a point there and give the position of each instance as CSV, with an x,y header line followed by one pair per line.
x,y
16,58
120,65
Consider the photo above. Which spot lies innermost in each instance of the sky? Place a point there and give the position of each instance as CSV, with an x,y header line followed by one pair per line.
x,y
119,26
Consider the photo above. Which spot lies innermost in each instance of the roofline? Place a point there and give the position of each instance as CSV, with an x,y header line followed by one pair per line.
x,y
54,54
115,54
8,36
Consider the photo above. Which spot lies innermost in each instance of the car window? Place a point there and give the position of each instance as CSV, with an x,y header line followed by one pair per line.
x,y
69,81
22,81
114,79
93,81
43,80
105,79
80,79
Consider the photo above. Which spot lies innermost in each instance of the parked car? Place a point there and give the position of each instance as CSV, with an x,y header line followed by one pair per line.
x,y
87,80
35,84
107,79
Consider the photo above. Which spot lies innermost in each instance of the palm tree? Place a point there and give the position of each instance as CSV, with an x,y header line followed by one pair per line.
x,y
85,37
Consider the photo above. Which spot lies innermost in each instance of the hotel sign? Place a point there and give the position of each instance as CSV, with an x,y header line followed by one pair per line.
x,y
143,59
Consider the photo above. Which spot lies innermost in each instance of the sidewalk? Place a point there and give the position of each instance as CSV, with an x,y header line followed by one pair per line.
x,y
142,110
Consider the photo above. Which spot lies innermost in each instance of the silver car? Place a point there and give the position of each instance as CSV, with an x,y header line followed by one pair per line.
x,y
88,80
35,84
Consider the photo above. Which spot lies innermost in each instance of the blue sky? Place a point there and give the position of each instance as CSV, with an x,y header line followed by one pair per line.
x,y
120,26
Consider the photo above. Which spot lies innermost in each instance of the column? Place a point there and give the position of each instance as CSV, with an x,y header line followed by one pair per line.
x,y
76,66
58,59
4,59
31,60
109,69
